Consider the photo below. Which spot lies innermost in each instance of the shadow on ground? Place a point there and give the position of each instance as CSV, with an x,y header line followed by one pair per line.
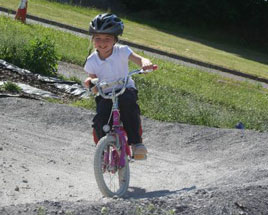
x,y
139,193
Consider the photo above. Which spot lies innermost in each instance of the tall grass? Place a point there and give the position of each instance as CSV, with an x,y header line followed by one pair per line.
x,y
20,46
173,93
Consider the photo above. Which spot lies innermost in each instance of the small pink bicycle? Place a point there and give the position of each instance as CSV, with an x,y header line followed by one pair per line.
x,y
112,156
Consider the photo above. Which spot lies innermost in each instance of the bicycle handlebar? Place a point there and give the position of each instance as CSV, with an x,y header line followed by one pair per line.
x,y
101,86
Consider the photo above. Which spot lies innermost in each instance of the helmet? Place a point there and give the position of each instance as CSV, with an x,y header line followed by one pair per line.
x,y
106,24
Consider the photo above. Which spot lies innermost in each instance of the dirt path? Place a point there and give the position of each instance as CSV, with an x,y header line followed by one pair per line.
x,y
46,156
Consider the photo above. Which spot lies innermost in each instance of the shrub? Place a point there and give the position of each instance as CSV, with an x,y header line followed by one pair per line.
x,y
17,47
41,57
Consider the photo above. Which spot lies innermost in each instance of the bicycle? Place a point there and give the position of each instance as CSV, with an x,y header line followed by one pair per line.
x,y
112,156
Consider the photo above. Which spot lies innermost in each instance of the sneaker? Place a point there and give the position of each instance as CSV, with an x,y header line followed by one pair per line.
x,y
139,151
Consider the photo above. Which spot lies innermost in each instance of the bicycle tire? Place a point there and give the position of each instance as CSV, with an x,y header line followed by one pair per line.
x,y
121,176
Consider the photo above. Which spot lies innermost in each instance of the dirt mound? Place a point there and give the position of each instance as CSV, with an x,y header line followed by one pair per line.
x,y
248,200
46,164
47,154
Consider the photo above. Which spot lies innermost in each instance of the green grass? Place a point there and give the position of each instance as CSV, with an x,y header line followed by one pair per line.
x,y
21,34
173,93
180,94
167,37
10,87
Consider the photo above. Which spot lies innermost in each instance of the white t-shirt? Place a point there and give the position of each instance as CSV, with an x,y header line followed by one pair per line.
x,y
113,68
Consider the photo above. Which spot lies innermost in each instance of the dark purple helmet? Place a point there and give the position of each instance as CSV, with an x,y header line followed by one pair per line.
x,y
106,24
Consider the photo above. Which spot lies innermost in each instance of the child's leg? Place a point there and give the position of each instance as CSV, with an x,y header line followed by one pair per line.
x,y
103,110
130,115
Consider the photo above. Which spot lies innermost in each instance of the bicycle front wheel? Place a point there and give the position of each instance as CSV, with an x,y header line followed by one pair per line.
x,y
111,179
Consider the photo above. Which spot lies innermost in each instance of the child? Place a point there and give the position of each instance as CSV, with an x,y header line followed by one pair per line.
x,y
109,62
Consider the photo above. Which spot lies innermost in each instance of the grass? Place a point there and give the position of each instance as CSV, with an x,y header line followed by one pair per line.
x,y
167,37
194,97
29,51
10,87
21,34
172,93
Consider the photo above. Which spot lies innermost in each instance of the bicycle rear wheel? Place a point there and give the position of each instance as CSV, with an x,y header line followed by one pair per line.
x,y
111,179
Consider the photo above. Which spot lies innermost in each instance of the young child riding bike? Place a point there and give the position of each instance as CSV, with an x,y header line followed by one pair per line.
x,y
109,62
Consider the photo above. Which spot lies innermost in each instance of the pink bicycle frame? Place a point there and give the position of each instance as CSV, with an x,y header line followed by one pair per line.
x,y
119,130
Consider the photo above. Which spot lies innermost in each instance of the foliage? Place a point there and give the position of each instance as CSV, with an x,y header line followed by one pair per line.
x,y
214,47
75,79
173,93
11,87
40,56
71,78
19,47
246,18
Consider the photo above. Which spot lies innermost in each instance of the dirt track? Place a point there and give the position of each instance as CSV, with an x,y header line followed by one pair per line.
x,y
46,155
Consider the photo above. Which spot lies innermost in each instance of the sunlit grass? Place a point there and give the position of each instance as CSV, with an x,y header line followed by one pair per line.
x,y
173,93
170,38
10,87
180,94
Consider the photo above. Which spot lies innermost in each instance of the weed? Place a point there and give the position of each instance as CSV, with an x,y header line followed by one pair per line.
x,y
54,100
85,103
75,79
41,211
104,210
72,78
11,87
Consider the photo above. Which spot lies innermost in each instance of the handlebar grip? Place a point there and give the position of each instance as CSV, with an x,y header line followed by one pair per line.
x,y
155,67
149,70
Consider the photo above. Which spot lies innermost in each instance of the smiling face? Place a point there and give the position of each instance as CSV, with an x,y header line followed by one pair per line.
x,y
104,43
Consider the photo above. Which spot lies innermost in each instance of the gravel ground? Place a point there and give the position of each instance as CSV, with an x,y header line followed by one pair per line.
x,y
46,156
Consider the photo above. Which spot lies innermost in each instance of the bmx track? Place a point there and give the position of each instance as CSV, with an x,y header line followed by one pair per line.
x,y
46,166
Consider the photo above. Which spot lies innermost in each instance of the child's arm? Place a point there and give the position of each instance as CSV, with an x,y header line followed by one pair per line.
x,y
141,61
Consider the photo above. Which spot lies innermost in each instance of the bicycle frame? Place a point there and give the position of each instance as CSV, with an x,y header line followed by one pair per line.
x,y
119,133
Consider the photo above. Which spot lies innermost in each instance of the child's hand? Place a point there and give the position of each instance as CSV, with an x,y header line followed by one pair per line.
x,y
88,84
143,62
147,64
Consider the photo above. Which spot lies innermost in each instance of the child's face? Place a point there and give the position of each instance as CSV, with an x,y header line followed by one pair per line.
x,y
104,44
